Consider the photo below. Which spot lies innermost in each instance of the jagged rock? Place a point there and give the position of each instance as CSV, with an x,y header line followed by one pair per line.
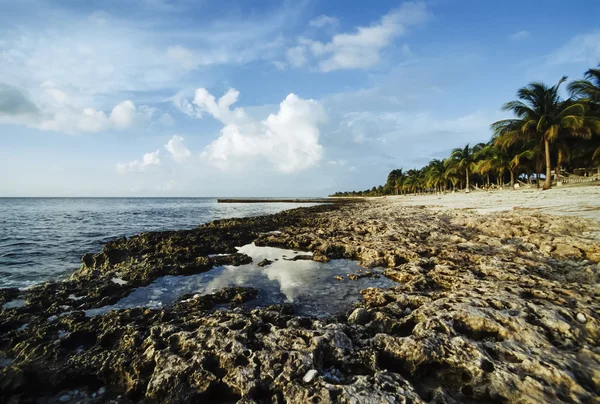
x,y
486,309
359,316
319,257
566,251
359,275
264,263
300,257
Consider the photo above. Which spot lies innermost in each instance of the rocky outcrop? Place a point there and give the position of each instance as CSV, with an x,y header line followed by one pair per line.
x,y
495,308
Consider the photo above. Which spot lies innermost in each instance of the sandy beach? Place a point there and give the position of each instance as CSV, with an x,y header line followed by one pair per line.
x,y
582,201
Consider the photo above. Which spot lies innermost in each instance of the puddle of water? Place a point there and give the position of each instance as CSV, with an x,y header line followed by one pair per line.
x,y
310,286
14,304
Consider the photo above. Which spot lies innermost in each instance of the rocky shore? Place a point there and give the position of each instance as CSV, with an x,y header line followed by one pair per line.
x,y
502,307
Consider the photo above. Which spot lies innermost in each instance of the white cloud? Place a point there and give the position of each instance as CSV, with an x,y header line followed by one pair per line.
x,y
166,119
56,110
279,65
123,115
206,103
583,48
178,151
361,49
75,67
323,21
288,140
519,36
182,57
148,160
101,53
297,56
415,136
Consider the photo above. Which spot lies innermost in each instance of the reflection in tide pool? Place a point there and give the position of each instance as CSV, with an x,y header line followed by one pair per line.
x,y
309,285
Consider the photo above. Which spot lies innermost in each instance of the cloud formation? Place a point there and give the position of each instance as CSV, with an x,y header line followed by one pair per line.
x,y
288,140
583,48
177,149
519,36
148,160
323,21
14,103
296,56
361,49
92,58
56,110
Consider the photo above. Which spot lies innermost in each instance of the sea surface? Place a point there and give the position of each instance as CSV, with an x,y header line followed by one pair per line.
x,y
44,239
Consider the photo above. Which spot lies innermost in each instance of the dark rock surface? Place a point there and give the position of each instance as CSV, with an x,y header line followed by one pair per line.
x,y
265,263
489,309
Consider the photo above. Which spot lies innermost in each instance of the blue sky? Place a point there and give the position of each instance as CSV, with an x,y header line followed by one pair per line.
x,y
263,98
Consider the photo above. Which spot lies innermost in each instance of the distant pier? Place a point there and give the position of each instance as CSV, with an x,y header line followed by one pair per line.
x,y
254,200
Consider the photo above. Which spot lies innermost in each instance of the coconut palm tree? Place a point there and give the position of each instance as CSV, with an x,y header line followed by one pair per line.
x,y
491,159
463,159
484,166
394,180
543,116
589,88
414,180
400,181
434,174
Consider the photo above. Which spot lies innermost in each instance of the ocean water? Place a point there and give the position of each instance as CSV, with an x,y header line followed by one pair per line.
x,y
44,238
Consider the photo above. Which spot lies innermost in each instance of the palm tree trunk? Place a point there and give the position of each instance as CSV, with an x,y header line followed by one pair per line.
x,y
548,182
537,172
512,179
467,175
558,166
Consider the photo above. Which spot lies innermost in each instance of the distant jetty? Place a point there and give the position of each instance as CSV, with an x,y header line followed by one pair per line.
x,y
253,200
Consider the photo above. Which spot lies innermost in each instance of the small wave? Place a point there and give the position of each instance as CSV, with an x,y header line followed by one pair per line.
x,y
17,244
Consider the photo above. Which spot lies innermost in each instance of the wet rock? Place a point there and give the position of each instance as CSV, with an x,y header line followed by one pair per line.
x,y
319,257
359,275
300,257
581,318
264,263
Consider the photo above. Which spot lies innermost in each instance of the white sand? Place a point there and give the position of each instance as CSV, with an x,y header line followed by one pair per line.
x,y
583,201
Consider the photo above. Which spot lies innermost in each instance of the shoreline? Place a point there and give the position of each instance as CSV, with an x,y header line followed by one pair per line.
x,y
259,200
481,301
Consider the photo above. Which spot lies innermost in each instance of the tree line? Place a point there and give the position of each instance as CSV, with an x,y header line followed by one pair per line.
x,y
546,133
